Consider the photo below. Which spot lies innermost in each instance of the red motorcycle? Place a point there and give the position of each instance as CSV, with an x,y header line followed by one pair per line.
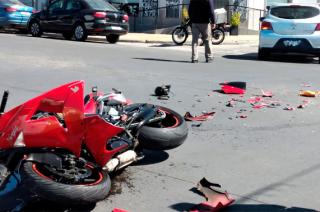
x,y
61,146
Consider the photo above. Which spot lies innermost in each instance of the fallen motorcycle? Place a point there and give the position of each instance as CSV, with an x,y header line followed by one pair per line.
x,y
62,146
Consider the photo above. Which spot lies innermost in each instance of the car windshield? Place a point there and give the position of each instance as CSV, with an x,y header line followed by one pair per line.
x,y
101,5
10,2
295,12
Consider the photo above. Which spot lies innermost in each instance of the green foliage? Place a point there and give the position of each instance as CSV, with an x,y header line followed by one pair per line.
x,y
235,19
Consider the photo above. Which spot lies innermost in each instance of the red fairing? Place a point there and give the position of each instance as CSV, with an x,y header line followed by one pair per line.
x,y
90,107
98,132
67,101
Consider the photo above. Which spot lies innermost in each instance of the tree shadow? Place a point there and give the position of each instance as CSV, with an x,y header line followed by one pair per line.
x,y
162,60
152,157
244,208
282,58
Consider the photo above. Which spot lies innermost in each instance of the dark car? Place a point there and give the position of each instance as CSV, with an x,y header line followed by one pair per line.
x,y
80,18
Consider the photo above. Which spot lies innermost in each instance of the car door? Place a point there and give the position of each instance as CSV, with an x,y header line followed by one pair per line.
x,y
49,21
70,14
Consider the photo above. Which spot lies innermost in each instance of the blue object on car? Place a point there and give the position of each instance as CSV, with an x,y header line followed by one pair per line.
x,y
14,14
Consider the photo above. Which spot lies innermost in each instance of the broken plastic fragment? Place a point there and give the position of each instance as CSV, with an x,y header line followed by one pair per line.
x,y
203,117
216,198
308,93
233,87
266,93
118,210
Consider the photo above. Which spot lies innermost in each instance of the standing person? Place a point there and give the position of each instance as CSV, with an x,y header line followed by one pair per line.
x,y
201,13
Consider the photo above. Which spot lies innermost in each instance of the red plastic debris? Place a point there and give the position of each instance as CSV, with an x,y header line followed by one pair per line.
x,y
118,210
266,93
203,117
216,199
233,87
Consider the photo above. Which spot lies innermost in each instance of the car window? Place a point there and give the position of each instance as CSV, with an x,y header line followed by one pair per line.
x,y
295,12
10,2
56,5
101,5
73,5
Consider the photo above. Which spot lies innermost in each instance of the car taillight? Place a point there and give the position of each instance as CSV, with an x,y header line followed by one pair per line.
x,y
318,27
125,18
266,26
10,9
100,14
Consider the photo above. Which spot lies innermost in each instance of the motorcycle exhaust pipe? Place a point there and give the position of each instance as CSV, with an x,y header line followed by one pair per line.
x,y
121,161
4,101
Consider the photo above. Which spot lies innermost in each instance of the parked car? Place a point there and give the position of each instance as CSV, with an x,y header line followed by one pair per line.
x,y
291,28
14,14
80,18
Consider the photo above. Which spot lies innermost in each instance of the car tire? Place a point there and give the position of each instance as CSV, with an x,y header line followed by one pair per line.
x,y
112,38
263,54
80,32
35,29
67,35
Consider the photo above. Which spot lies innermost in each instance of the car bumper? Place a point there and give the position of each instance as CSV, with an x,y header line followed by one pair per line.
x,y
104,28
309,44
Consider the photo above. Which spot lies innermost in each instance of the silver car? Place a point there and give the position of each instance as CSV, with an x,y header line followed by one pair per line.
x,y
290,28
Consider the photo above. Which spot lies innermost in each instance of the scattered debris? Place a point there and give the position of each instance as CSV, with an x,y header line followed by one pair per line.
x,y
266,93
243,116
304,104
305,84
216,198
203,117
196,125
308,93
162,92
289,108
118,210
233,87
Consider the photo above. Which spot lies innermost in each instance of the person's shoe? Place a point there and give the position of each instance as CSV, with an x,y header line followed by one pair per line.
x,y
194,61
209,60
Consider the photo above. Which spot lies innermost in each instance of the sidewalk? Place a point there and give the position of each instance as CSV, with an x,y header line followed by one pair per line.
x,y
166,38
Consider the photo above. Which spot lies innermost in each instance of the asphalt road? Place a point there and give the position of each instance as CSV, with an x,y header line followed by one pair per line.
x,y
268,160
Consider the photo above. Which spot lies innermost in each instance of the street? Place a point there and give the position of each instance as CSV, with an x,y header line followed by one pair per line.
x,y
267,159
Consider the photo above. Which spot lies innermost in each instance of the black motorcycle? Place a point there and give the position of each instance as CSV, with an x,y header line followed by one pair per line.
x,y
180,34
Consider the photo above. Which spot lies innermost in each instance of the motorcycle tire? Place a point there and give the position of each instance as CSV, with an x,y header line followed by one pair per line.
x,y
65,194
179,35
166,134
217,36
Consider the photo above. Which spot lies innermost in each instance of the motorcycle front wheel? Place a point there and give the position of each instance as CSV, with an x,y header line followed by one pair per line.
x,y
44,182
217,36
167,133
179,35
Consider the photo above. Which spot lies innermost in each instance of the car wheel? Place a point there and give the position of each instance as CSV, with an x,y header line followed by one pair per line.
x,y
112,38
263,54
67,35
80,32
35,29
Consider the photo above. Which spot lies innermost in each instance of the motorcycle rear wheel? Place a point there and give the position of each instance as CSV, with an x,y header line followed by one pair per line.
x,y
165,134
45,186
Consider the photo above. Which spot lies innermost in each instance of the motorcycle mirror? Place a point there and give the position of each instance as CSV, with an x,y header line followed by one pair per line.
x,y
94,91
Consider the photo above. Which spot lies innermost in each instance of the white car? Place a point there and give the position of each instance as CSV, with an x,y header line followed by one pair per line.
x,y
290,28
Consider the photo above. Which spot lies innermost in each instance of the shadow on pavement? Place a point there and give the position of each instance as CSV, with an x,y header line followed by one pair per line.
x,y
246,208
45,206
275,58
152,157
164,45
162,60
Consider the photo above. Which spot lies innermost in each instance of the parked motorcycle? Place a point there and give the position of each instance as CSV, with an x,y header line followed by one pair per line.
x,y
62,146
180,34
